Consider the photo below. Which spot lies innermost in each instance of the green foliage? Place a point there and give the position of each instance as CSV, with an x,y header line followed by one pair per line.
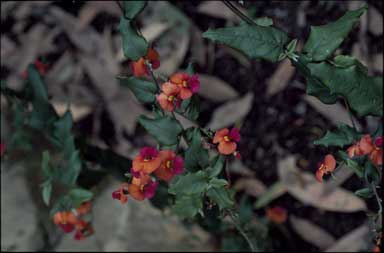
x,y
144,90
264,21
190,108
196,156
366,193
134,45
255,41
221,196
78,196
344,135
352,164
187,206
324,40
216,166
191,183
273,192
165,130
47,191
363,93
133,8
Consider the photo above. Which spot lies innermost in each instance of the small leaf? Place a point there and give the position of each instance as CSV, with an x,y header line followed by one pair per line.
x,y
364,193
217,183
165,130
78,196
324,40
144,90
45,164
196,156
344,135
133,8
134,45
371,172
264,21
351,164
190,69
47,190
38,89
221,197
216,166
190,108
345,61
292,46
255,41
190,183
188,206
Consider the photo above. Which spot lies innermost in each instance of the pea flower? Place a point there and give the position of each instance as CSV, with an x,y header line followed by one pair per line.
x,y
188,84
142,189
121,193
84,208
171,165
328,165
168,97
277,214
147,161
363,147
376,155
66,220
227,140
83,229
41,68
139,68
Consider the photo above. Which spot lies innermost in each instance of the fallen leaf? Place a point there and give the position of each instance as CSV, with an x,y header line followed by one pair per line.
x,y
231,112
78,111
355,241
311,232
215,89
240,57
251,186
218,9
175,57
238,167
375,21
273,192
91,8
198,48
378,63
280,78
336,113
308,190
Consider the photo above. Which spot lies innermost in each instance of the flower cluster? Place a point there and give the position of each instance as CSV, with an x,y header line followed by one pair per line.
x,y
365,146
227,140
164,164
69,221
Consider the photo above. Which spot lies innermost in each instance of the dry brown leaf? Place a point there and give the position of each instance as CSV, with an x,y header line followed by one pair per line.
x,y
78,111
238,167
312,233
355,241
251,186
198,48
215,89
240,57
308,190
375,21
280,78
231,112
335,112
91,8
172,61
218,9
378,63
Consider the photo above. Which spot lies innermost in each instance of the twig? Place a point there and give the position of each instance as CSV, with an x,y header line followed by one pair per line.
x,y
235,10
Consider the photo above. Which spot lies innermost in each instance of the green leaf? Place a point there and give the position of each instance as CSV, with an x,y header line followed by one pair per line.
x,y
292,46
190,108
345,61
38,89
371,173
79,195
45,164
273,192
144,90
196,156
216,167
62,127
364,193
64,203
134,45
363,93
47,190
188,206
221,197
352,164
264,21
255,41
133,8
324,40
344,135
217,183
190,183
69,173
190,69
165,130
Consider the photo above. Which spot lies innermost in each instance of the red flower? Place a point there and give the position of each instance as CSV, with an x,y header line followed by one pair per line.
x,y
147,161
66,220
363,147
84,208
227,140
326,167
41,68
188,85
121,193
168,97
376,155
83,229
140,69
171,165
142,189
277,214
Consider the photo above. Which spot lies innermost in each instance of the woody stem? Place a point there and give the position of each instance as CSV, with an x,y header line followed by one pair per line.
x,y
238,12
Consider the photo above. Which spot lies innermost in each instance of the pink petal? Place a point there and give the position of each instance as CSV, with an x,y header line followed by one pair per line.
x,y
234,134
135,174
150,189
67,228
194,83
116,195
148,152
155,64
178,165
379,141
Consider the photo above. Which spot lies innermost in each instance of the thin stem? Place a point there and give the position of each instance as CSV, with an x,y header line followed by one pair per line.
x,y
350,114
377,197
149,66
121,7
241,231
227,172
235,10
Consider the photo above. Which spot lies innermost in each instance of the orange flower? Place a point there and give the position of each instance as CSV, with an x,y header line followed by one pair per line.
x,y
83,229
376,155
121,193
363,147
188,85
326,167
227,140
140,69
277,214
84,208
171,165
168,97
66,220
146,190
147,161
